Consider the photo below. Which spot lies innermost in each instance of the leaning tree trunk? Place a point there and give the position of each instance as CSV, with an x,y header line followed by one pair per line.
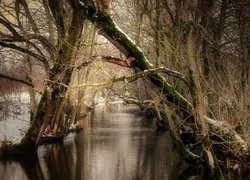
x,y
59,78
220,130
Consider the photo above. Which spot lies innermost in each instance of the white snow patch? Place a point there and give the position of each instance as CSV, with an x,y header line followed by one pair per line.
x,y
14,116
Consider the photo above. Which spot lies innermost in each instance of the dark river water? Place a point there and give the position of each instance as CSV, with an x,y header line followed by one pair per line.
x,y
116,143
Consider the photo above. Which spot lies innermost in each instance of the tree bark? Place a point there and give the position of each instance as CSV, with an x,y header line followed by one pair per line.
x,y
119,39
54,93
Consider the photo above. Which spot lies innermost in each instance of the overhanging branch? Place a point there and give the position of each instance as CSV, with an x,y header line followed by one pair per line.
x,y
119,39
139,75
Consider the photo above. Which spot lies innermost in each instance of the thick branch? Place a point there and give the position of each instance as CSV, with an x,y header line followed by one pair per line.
x,y
57,12
109,59
48,46
16,80
45,42
9,27
134,77
18,48
129,48
50,20
29,16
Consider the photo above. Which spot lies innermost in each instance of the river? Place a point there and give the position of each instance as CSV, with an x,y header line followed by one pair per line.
x,y
116,143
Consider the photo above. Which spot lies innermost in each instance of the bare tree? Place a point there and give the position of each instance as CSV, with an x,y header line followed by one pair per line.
x,y
192,32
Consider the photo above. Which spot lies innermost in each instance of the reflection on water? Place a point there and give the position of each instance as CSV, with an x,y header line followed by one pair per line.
x,y
117,143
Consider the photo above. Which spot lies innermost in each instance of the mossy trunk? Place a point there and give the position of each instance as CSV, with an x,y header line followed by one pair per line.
x,y
60,76
119,39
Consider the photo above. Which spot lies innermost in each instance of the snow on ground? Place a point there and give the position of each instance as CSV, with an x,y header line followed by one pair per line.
x,y
14,116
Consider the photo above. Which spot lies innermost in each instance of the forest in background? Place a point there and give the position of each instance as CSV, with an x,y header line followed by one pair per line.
x,y
201,48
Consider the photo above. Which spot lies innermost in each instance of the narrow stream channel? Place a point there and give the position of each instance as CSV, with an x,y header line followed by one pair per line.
x,y
116,143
